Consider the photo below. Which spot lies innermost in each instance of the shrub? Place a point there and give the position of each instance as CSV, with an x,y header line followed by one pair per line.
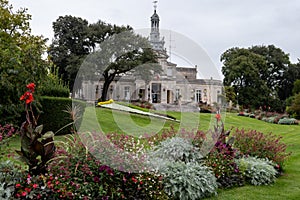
x,y
252,115
52,86
286,120
176,149
255,143
294,109
188,180
257,171
55,114
10,174
7,132
221,159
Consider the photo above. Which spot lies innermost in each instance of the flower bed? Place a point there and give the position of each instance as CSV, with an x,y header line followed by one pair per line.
x,y
270,117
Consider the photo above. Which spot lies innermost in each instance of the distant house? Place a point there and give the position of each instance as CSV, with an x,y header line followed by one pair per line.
x,y
174,85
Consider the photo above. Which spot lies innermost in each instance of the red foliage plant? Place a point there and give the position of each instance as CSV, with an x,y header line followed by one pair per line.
x,y
262,145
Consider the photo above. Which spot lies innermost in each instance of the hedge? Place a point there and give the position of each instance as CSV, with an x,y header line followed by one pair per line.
x,y
54,115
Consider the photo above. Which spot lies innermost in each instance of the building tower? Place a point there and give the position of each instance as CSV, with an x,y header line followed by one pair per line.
x,y
156,42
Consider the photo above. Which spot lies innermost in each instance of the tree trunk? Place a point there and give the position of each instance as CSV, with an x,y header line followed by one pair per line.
x,y
105,90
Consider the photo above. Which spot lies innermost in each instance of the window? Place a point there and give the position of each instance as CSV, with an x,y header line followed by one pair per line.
x,y
169,72
126,92
177,94
198,96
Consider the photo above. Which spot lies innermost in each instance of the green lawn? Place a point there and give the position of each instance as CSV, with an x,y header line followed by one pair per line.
x,y
286,187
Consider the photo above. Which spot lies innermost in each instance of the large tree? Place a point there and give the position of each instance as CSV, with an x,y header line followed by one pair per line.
x,y
74,39
70,46
108,50
289,77
277,63
242,70
121,54
20,59
272,71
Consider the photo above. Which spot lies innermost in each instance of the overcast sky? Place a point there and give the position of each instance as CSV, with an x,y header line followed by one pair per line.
x,y
215,25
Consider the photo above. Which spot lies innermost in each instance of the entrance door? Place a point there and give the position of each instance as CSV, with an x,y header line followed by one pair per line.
x,y
156,92
169,96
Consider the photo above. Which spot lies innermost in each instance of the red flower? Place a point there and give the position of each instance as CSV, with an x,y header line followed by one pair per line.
x,y
24,194
28,97
134,179
35,185
18,185
31,86
218,117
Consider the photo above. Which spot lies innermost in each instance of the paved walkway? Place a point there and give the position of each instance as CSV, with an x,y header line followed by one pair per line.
x,y
132,110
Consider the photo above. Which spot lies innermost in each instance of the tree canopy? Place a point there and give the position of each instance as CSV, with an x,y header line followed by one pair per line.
x,y
123,53
108,50
74,39
20,59
261,75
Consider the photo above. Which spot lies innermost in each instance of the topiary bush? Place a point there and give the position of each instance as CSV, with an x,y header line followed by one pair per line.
x,y
57,113
188,181
257,171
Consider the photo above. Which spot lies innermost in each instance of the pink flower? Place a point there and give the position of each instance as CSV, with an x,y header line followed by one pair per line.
x,y
18,185
24,194
35,185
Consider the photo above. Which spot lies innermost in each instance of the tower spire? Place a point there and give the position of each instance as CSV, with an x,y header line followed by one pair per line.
x,y
155,5
155,40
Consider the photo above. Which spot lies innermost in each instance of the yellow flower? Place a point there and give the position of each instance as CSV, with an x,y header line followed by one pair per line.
x,y
105,102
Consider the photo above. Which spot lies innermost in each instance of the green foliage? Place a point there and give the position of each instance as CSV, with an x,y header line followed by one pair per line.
x,y
10,174
188,180
20,60
74,39
184,175
262,75
242,70
287,120
262,145
53,86
56,115
230,94
7,132
294,109
296,88
269,119
175,149
257,171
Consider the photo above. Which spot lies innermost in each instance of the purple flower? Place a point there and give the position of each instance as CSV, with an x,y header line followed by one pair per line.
x,y
96,179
